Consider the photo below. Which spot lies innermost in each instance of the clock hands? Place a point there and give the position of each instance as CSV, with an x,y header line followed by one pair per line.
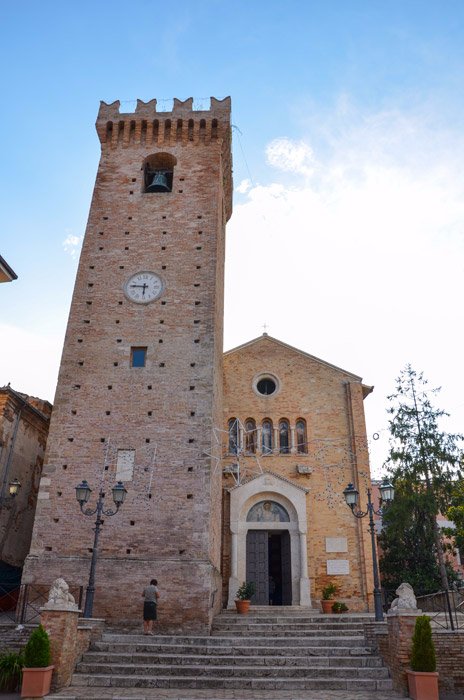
x,y
144,287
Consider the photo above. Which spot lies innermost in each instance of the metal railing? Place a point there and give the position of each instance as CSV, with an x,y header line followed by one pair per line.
x,y
21,604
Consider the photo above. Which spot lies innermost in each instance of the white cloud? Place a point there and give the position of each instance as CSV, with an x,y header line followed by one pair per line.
x,y
361,264
244,186
72,244
291,156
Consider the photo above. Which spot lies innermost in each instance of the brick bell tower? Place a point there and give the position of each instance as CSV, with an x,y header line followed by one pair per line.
x,y
139,388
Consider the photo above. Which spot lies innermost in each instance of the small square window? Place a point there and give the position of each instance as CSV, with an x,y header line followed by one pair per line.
x,y
138,357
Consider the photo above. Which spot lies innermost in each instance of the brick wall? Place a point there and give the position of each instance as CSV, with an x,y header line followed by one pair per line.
x,y
395,642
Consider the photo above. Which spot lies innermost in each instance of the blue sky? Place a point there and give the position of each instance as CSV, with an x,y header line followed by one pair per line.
x,y
347,233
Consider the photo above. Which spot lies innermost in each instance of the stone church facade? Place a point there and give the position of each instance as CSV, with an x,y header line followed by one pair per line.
x,y
295,437
234,466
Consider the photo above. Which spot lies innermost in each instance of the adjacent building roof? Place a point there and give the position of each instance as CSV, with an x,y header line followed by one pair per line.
x,y
7,274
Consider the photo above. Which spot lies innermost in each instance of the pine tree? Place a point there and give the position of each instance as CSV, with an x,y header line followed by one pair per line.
x,y
424,462
407,544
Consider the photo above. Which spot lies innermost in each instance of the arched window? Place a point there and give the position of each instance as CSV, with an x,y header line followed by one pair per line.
x,y
233,436
267,441
158,172
284,437
301,439
250,435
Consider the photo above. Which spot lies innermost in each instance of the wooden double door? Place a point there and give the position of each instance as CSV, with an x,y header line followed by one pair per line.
x,y
268,564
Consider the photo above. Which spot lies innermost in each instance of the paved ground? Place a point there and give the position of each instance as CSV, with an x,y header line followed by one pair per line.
x,y
161,694
134,694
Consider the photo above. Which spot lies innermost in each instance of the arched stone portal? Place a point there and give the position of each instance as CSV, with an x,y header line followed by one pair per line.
x,y
263,508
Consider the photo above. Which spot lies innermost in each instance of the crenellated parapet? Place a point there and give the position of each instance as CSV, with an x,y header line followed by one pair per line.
x,y
147,126
184,125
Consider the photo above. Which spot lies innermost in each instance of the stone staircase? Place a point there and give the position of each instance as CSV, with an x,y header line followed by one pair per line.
x,y
13,637
269,649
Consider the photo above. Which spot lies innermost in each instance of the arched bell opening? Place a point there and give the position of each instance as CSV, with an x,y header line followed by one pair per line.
x,y
158,172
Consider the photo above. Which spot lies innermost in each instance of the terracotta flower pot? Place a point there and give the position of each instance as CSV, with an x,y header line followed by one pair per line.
x,y
423,686
36,682
327,606
242,606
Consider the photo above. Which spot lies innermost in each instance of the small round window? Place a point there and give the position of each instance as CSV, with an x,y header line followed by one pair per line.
x,y
266,386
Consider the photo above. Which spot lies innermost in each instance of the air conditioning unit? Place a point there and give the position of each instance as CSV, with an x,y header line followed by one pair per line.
x,y
303,469
231,469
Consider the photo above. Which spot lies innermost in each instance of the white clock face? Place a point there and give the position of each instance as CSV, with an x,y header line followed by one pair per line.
x,y
143,287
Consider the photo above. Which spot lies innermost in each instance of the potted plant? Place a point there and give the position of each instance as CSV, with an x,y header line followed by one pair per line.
x,y
422,678
328,594
37,671
338,607
243,597
11,666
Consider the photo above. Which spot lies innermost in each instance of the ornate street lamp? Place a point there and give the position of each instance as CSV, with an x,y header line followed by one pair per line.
x,y
13,487
387,494
83,492
13,490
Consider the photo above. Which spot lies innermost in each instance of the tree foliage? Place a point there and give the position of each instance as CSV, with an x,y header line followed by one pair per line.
x,y
424,465
456,513
408,551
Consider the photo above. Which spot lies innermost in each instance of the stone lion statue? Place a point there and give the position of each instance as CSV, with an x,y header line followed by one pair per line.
x,y
406,599
59,595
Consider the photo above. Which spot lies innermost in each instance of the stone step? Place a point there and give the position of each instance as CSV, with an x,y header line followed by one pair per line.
x,y
190,659
296,612
285,631
282,630
290,619
134,681
231,622
303,649
287,638
234,671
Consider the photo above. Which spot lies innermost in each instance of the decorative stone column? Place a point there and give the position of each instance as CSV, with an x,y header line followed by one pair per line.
x,y
305,595
292,440
233,580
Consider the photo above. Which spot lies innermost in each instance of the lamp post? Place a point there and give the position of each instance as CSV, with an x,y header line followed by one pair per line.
x,y
13,490
83,492
387,494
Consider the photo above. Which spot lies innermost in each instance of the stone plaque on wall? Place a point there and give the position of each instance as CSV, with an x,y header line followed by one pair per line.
x,y
336,544
125,465
338,567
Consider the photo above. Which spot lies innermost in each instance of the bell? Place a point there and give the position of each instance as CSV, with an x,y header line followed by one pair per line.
x,y
159,182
